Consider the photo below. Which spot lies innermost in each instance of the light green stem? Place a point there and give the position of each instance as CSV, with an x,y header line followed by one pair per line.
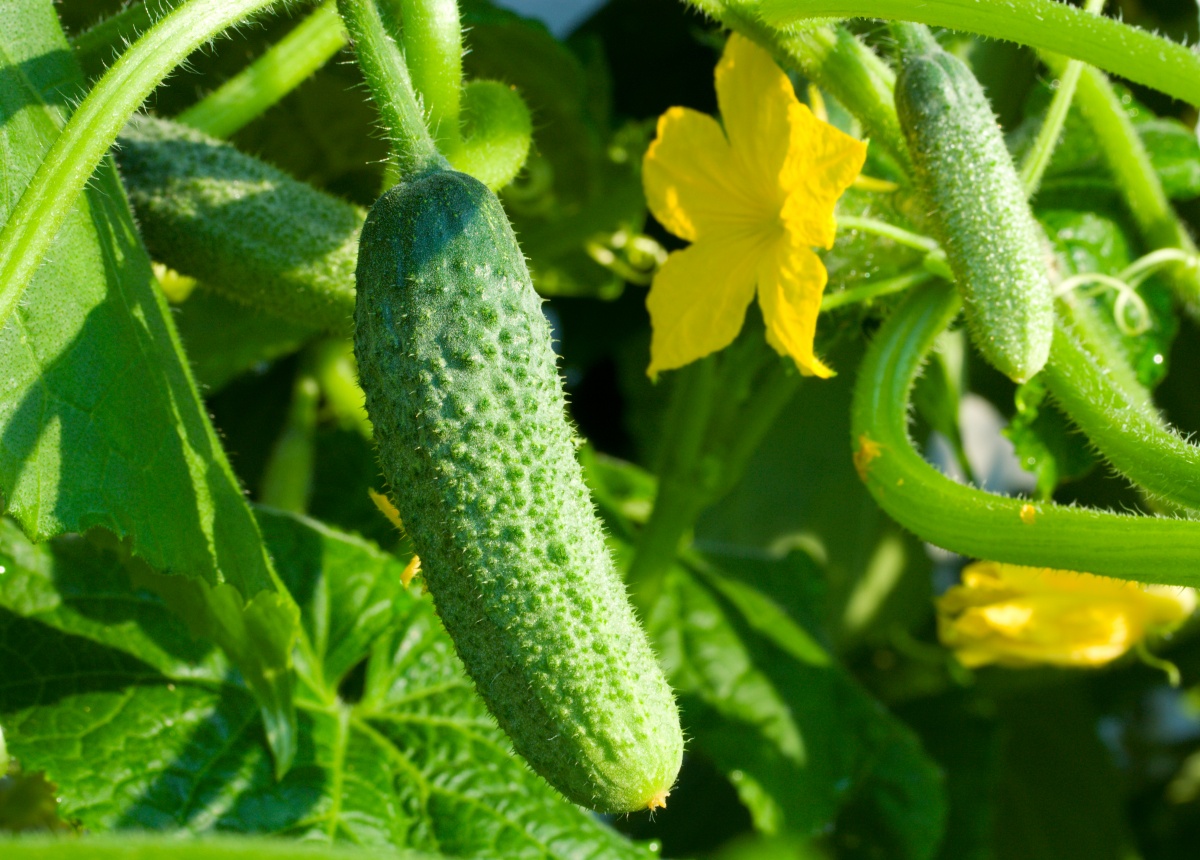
x,y
287,479
883,229
432,39
979,524
383,65
55,187
872,290
1047,25
1038,158
284,66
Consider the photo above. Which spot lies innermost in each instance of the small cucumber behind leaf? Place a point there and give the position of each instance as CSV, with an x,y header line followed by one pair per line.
x,y
979,211
463,391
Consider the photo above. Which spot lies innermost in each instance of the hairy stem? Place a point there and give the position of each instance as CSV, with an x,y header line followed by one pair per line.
x,y
263,83
973,522
1047,25
383,65
1092,382
432,39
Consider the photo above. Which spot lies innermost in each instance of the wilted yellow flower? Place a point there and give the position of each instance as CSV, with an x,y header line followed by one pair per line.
x,y
754,199
1022,616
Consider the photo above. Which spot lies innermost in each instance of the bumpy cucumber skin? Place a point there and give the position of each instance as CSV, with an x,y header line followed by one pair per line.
x,y
980,214
244,228
463,391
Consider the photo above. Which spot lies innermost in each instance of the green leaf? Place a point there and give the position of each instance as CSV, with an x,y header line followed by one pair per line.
x,y
172,848
1045,442
1094,242
798,738
225,339
1078,163
100,419
406,756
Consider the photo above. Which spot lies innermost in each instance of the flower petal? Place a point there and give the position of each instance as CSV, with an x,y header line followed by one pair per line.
x,y
691,183
791,279
698,301
822,163
756,99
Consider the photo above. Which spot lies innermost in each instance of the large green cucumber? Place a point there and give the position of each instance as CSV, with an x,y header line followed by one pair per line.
x,y
463,391
979,211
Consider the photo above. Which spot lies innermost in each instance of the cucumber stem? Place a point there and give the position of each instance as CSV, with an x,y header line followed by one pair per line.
x,y
873,290
720,410
1095,386
383,65
432,38
970,521
1047,25
97,46
283,67
1033,167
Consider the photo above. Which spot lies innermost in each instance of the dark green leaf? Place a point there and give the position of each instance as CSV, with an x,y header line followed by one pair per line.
x,y
799,739
101,422
414,760
1059,794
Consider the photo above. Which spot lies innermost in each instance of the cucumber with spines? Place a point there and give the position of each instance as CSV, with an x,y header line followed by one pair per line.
x,y
979,212
463,391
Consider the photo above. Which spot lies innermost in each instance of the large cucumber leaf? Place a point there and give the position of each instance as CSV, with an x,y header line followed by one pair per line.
x,y
141,730
100,421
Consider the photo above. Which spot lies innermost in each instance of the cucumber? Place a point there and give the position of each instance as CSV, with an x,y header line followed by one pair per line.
x,y
979,211
469,415
246,229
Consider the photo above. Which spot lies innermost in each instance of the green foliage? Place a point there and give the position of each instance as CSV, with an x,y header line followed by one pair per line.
x,y
150,730
579,201
148,848
189,674
468,412
103,424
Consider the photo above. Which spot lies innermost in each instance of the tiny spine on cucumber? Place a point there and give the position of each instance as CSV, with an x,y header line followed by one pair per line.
x,y
978,209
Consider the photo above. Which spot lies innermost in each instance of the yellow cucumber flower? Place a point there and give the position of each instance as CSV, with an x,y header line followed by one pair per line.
x,y
1023,616
753,199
